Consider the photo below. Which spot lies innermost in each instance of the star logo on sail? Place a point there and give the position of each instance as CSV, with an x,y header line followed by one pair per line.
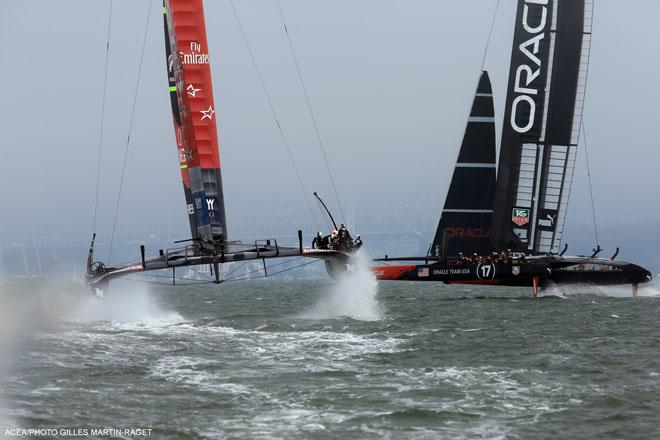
x,y
192,91
208,113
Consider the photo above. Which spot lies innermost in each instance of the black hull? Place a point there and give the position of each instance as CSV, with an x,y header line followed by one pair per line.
x,y
540,271
596,279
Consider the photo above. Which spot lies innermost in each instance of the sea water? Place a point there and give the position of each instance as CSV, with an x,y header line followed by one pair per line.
x,y
326,359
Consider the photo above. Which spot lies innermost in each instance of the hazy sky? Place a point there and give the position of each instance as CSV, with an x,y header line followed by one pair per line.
x,y
391,82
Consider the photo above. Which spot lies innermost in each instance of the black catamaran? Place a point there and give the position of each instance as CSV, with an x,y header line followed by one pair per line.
x,y
193,111
507,229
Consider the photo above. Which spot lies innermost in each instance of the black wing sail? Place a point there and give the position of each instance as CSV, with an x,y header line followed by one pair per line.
x,y
176,114
547,82
465,223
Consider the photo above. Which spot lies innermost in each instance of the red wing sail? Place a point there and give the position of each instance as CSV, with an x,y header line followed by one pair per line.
x,y
193,110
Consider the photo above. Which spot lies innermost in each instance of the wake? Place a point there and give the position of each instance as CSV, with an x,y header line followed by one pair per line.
x,y
646,290
124,303
354,296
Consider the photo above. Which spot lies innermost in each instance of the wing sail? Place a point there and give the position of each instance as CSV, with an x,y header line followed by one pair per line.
x,y
547,82
194,118
465,223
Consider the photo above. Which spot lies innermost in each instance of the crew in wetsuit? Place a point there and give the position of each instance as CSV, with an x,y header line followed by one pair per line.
x,y
334,239
345,242
357,244
318,242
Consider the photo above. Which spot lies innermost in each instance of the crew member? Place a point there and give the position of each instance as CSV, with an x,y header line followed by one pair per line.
x,y
318,241
326,242
358,242
345,240
334,239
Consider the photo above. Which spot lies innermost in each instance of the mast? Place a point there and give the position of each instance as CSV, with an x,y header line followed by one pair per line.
x,y
543,113
465,223
194,118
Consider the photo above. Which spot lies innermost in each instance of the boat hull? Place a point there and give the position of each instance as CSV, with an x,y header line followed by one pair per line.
x,y
524,273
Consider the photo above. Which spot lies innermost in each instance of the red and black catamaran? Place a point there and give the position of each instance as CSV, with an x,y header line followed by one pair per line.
x,y
506,229
194,117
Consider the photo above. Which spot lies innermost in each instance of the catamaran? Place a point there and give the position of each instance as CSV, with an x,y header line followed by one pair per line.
x,y
507,228
194,118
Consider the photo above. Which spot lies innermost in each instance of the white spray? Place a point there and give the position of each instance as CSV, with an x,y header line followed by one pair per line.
x,y
124,302
651,289
354,296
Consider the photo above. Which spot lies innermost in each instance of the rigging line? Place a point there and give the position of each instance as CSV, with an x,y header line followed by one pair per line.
x,y
169,277
105,90
272,110
311,112
274,273
401,220
260,269
193,283
490,34
582,131
130,128
246,262
591,190
209,278
239,266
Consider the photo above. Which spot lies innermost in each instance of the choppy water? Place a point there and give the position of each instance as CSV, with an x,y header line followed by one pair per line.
x,y
297,361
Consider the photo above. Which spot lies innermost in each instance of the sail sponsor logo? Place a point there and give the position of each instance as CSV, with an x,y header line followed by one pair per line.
x,y
192,91
520,216
207,114
179,136
195,56
547,219
201,213
212,207
185,155
198,203
129,269
523,111
463,271
468,232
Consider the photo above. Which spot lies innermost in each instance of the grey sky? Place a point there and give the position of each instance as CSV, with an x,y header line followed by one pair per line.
x,y
391,82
